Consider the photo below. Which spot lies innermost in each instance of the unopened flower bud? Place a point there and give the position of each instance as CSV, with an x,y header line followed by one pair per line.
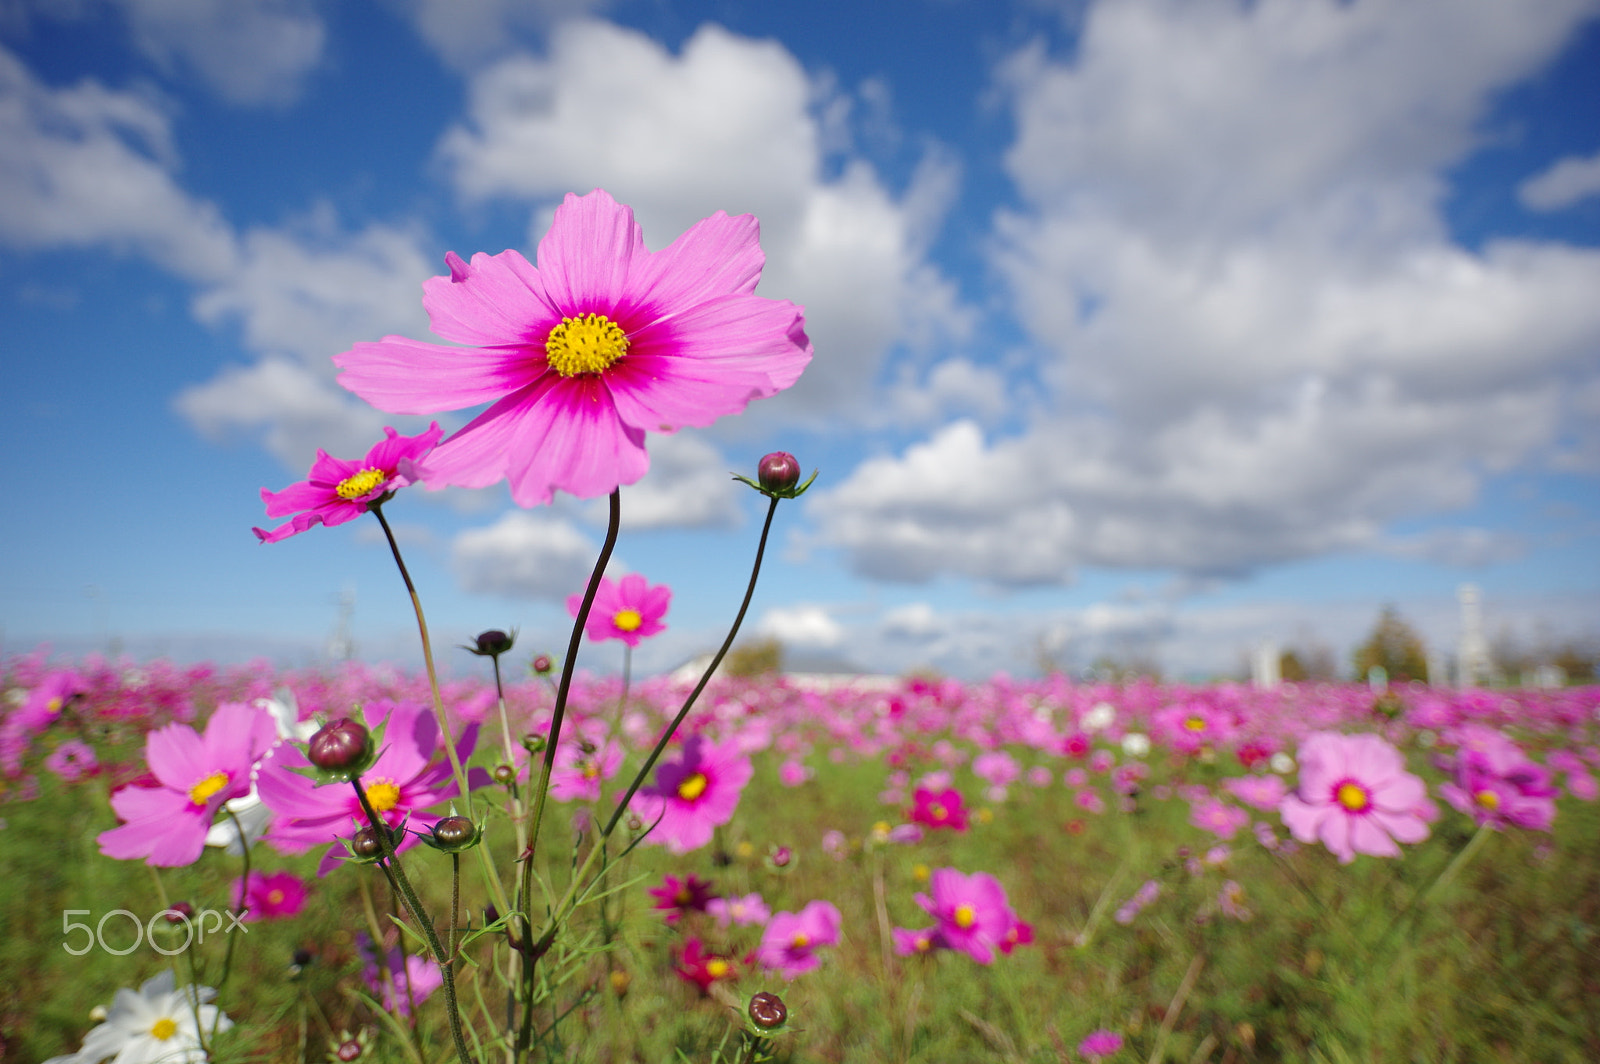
x,y
534,744
504,774
179,912
452,834
492,643
340,745
365,845
767,1011
778,471
542,664
350,1050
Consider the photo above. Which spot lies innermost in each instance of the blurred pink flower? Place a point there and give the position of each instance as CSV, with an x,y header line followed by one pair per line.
x,y
790,943
167,824
337,490
582,764
1219,818
72,760
973,914
677,898
405,984
628,609
1497,784
941,809
793,772
1261,792
583,354
701,968
277,896
46,700
694,794
1101,1043
912,942
1356,796
749,910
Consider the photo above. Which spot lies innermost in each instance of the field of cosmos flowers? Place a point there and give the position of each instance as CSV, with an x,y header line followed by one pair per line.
x,y
353,863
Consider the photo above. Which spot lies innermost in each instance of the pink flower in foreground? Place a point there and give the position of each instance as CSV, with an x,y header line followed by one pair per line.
x,y
790,943
274,897
1356,797
694,794
167,824
628,609
583,354
403,782
1497,784
974,916
337,491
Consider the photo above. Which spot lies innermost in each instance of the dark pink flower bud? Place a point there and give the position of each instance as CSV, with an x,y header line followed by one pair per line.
x,y
340,745
778,471
767,1010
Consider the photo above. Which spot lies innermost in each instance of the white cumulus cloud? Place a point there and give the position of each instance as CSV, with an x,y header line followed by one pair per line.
x,y
524,555
1566,182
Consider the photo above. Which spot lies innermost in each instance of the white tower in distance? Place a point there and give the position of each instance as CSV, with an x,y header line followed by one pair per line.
x,y
1473,667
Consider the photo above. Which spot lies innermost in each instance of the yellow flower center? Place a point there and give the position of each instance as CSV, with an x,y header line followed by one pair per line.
x,y
383,795
54,705
275,897
1488,799
924,943
591,770
362,483
627,620
965,916
717,968
937,811
587,344
163,1029
201,792
1195,724
1352,796
693,787
800,941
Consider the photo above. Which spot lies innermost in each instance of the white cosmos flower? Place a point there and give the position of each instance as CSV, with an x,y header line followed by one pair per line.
x,y
1135,744
154,1026
1281,763
252,815
1101,715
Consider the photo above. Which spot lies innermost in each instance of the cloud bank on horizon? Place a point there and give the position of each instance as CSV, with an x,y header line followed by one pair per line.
x,y
1177,291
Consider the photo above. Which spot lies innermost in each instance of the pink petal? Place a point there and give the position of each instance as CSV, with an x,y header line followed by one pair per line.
x,y
387,452
491,305
1368,837
1409,829
294,498
1301,819
1334,831
406,376
177,757
586,257
717,256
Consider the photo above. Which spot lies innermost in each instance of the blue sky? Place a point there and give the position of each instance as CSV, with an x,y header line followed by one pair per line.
x,y
1150,328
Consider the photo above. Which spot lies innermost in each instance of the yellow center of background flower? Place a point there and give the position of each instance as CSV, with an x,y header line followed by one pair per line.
x,y
800,941
383,795
53,706
693,787
937,811
163,1029
627,620
201,792
965,916
1488,799
1352,796
1195,724
717,969
362,483
275,897
587,344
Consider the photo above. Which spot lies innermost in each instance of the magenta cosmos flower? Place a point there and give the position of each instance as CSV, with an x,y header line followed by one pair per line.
x,y
694,794
402,783
628,609
939,809
1497,784
337,491
277,896
974,916
581,355
789,944
167,824
1356,797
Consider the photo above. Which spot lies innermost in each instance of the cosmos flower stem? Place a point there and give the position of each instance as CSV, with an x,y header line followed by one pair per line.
x,y
613,526
666,735
1451,870
1158,1053
244,885
414,906
463,787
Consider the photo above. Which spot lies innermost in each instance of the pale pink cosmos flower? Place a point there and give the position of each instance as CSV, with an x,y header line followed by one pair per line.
x,y
628,609
167,824
404,983
694,794
973,914
402,784
1356,796
790,943
1219,818
749,910
1260,792
337,490
583,763
73,760
582,355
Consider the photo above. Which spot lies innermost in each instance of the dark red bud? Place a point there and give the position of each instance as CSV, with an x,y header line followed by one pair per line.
x,y
778,471
494,642
341,744
366,845
350,1050
542,664
767,1010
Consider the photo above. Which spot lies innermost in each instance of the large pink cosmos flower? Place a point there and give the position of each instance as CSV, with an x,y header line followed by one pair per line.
x,y
1356,796
403,782
974,916
583,354
337,491
167,824
694,794
628,609
789,944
